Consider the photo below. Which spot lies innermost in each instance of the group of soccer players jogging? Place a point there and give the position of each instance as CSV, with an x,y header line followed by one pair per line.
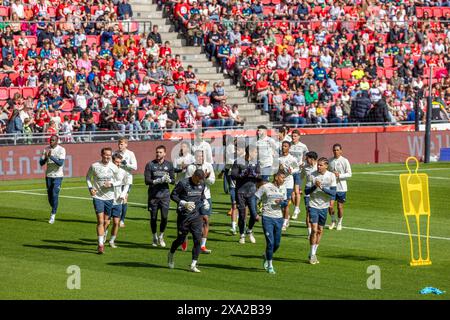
x,y
263,177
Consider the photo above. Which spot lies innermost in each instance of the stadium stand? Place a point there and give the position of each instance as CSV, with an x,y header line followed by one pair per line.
x,y
302,62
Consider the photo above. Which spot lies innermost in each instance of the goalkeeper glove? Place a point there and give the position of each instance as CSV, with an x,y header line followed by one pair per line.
x,y
124,162
158,181
206,204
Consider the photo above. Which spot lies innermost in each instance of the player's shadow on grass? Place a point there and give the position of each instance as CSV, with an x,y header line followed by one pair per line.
x,y
229,267
21,218
75,221
127,244
63,248
353,257
260,258
136,265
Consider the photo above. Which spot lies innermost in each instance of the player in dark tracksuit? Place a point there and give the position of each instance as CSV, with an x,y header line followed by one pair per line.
x,y
246,173
189,195
158,174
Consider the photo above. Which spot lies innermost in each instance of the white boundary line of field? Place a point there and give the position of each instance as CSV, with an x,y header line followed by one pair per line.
x,y
295,222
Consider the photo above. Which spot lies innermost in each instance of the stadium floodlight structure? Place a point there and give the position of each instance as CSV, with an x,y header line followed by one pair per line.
x,y
428,119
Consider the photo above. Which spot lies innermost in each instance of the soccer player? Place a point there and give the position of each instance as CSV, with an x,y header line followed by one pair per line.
x,y
200,144
274,199
99,179
309,167
158,174
247,173
184,159
321,186
190,198
266,149
298,150
341,168
237,151
121,184
210,179
129,164
289,166
54,156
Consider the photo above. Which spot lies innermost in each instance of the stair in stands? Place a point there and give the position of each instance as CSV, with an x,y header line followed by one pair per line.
x,y
204,69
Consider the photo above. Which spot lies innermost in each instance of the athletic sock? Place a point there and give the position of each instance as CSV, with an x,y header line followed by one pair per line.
x,y
333,218
340,220
311,251
269,263
100,240
309,231
194,263
113,238
285,222
203,242
233,224
314,249
106,234
161,235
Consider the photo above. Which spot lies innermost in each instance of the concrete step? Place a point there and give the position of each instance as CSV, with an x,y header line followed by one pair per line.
x,y
187,50
237,100
210,76
170,36
144,7
160,21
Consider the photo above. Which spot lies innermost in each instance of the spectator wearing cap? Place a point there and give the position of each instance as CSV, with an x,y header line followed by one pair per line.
x,y
222,115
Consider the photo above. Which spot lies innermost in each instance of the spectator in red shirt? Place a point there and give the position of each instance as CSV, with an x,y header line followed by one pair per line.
x,y
222,115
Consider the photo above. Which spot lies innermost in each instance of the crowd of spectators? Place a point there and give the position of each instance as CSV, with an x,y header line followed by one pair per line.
x,y
81,66
327,61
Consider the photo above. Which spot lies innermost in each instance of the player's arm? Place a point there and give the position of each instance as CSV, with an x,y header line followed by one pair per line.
x,y
212,177
235,171
310,187
176,193
43,160
190,170
348,171
89,177
260,193
148,175
172,174
58,162
132,165
126,187
331,191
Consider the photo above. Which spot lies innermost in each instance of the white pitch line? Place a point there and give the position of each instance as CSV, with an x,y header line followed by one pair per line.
x,y
396,175
295,222
64,188
401,171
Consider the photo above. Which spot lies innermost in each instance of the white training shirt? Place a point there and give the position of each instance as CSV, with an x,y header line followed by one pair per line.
x,y
96,177
206,148
230,155
121,185
268,193
318,198
209,181
299,150
184,160
53,170
266,148
341,165
131,165
289,162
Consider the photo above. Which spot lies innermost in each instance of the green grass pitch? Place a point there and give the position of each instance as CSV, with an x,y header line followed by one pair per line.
x,y
34,255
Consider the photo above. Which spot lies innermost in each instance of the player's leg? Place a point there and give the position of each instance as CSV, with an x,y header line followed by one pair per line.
x,y
251,202
296,194
196,227
340,197
164,207
268,235
321,224
124,209
233,208
56,188
307,220
181,236
106,223
205,228
241,222
99,206
116,213
153,208
331,211
314,219
286,210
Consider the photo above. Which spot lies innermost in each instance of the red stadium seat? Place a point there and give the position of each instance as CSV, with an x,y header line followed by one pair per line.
x,y
13,91
4,11
96,117
181,115
445,10
437,12
51,12
90,40
388,73
419,12
429,10
29,92
346,73
4,93
141,114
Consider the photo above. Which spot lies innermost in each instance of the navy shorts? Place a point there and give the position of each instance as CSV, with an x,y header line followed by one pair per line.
x,y
116,211
318,216
340,197
306,198
208,212
102,206
289,194
233,195
297,179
